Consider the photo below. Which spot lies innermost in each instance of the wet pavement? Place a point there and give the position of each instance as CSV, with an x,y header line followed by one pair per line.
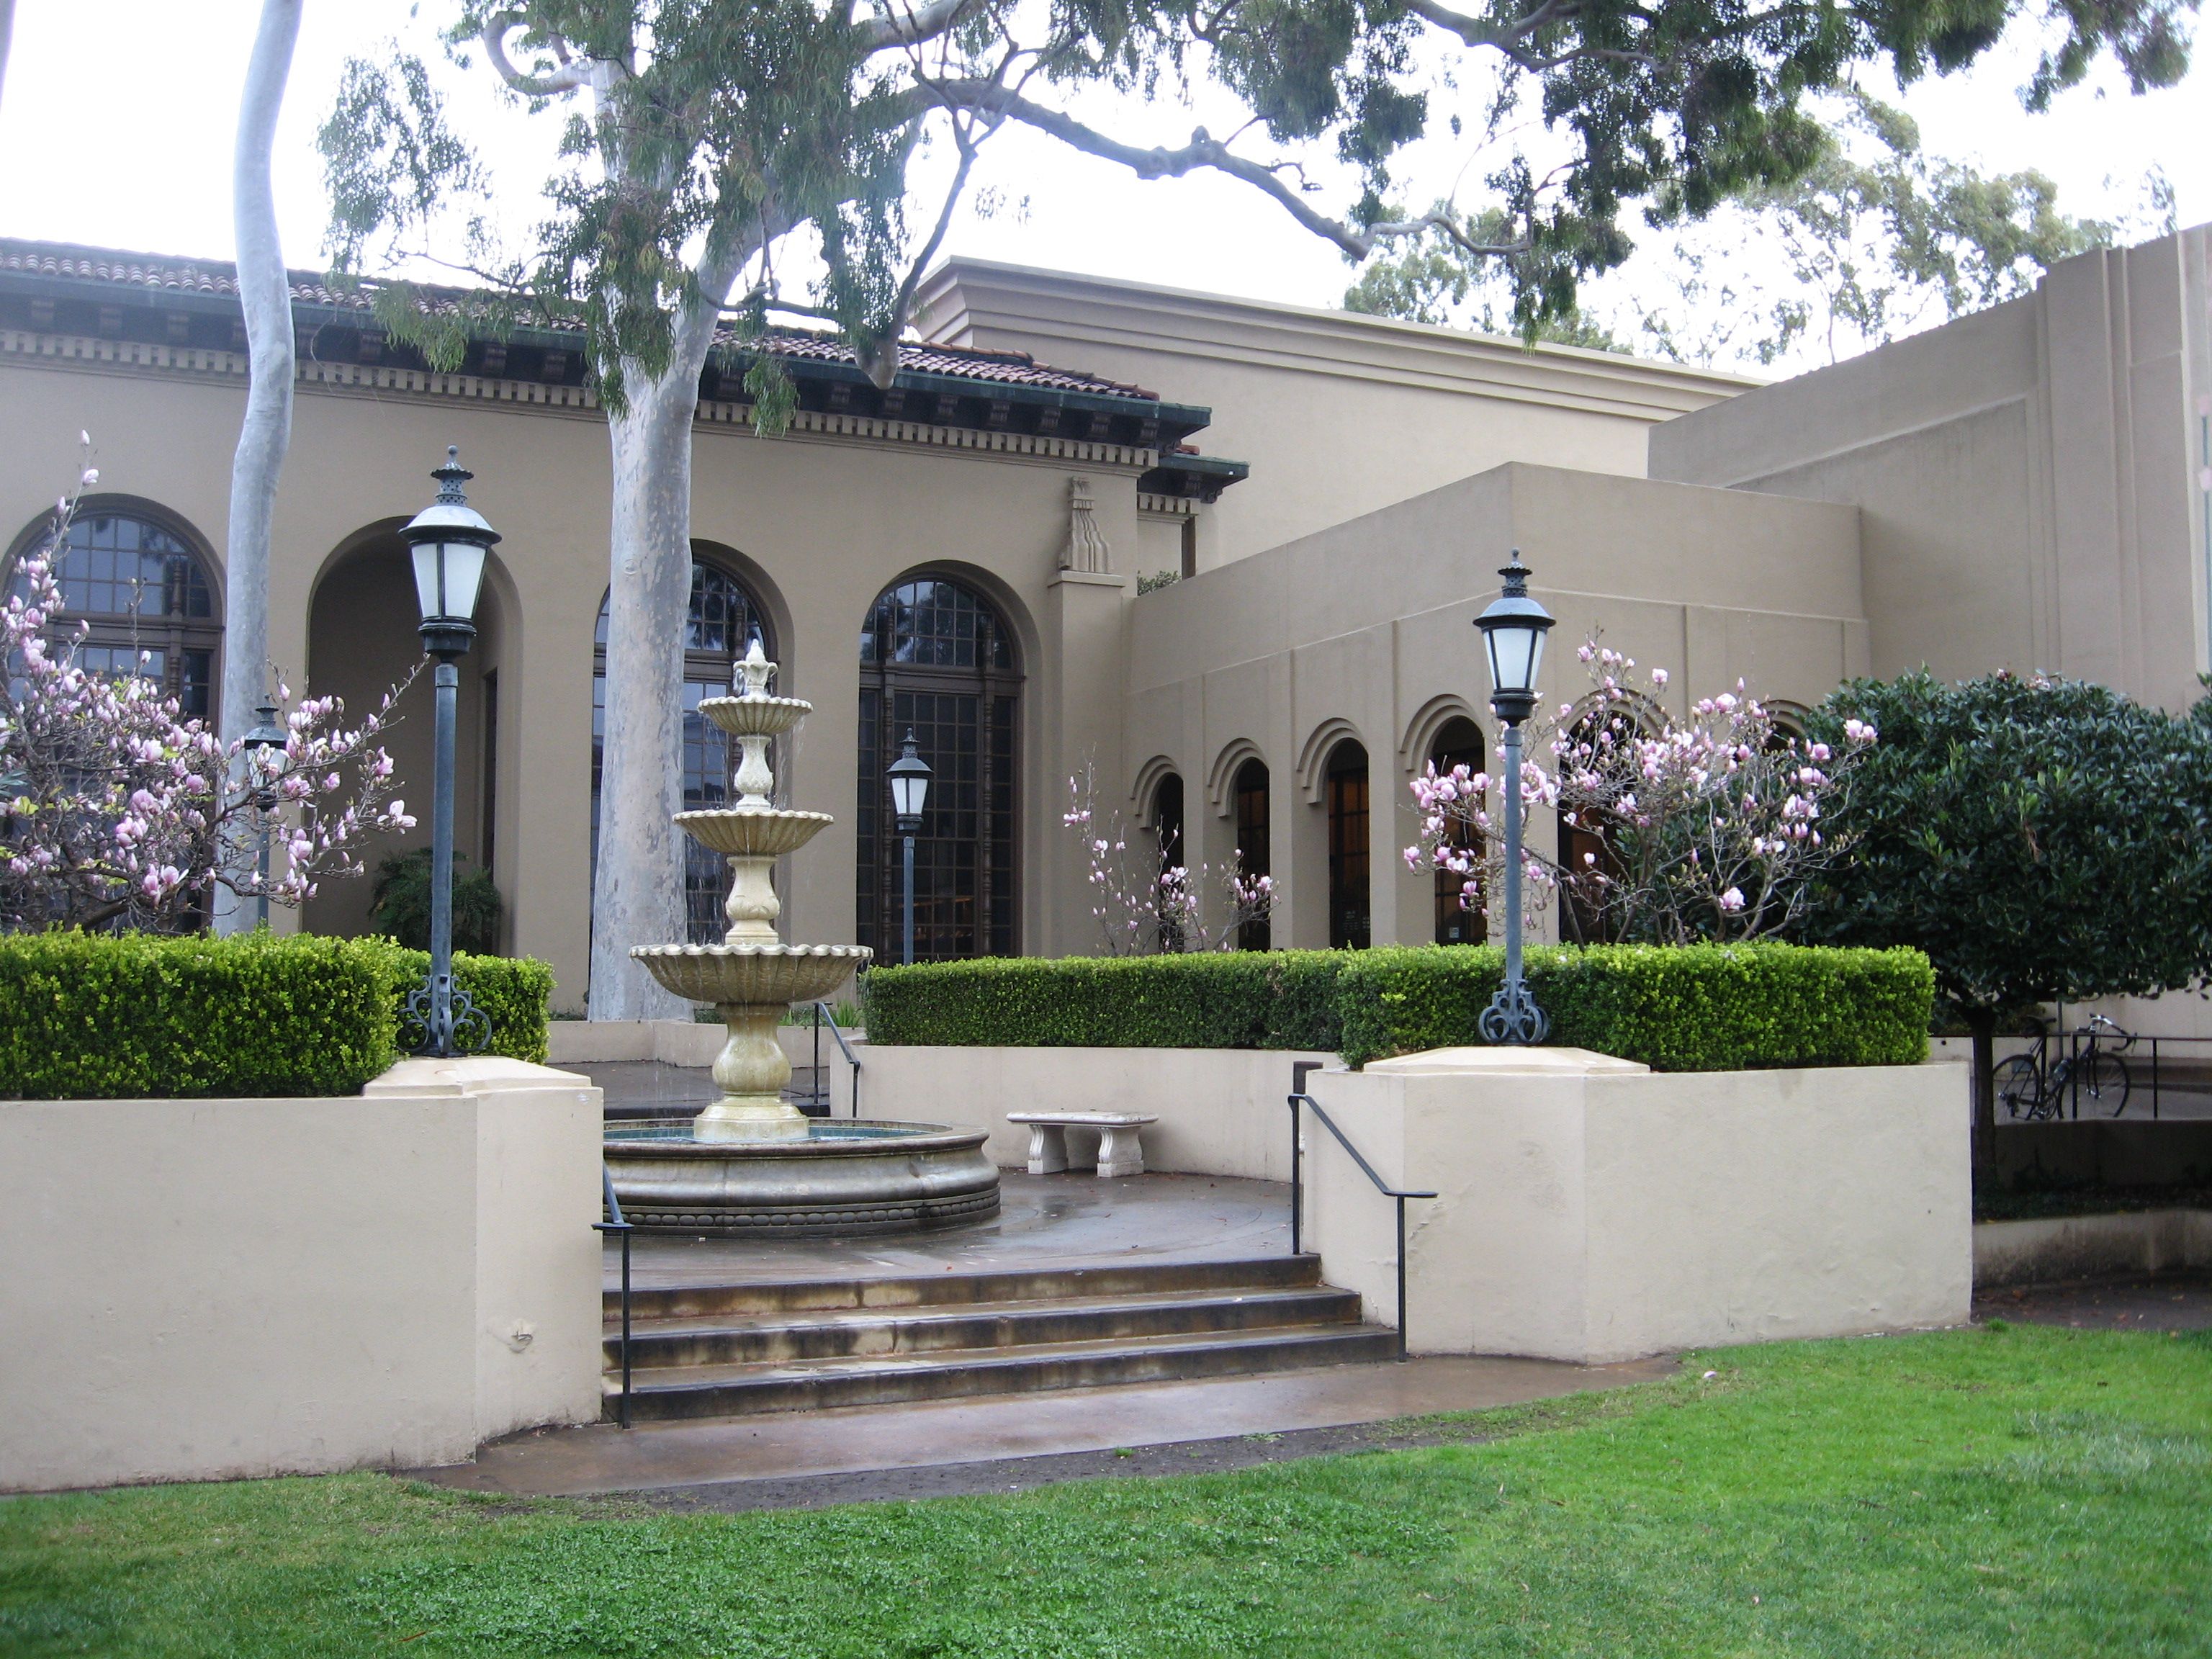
x,y
1070,1220
920,1448
2159,1302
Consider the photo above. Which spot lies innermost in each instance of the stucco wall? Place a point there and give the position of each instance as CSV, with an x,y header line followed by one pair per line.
x,y
1363,631
204,1289
2028,476
1221,1110
1338,414
1596,1212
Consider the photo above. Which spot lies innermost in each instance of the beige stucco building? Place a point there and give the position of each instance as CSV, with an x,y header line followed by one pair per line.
x,y
2020,488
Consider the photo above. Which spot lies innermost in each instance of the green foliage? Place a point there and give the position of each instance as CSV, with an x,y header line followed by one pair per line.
x,y
716,129
1705,1007
1874,234
512,991
399,903
1201,999
2031,1490
1158,580
122,1015
2037,839
1674,1008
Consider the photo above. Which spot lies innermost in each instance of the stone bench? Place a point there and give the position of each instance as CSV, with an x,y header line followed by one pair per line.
x,y
1119,1151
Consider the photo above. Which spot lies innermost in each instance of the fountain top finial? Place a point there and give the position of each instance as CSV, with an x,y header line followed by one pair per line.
x,y
752,675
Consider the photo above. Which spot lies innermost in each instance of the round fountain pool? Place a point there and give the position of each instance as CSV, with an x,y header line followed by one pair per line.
x,y
840,1178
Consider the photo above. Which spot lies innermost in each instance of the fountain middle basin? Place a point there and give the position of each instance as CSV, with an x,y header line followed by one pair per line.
x,y
841,1178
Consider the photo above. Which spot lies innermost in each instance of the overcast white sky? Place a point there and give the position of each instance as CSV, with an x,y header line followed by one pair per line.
x,y
117,119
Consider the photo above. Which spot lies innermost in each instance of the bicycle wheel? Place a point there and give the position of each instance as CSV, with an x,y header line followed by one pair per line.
x,y
2020,1087
2104,1079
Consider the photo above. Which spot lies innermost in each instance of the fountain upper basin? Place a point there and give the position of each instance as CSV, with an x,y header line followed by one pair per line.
x,y
752,832
751,975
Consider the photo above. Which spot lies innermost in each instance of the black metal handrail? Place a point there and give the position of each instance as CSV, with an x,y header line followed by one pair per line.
x,y
821,1098
1300,1070
616,1224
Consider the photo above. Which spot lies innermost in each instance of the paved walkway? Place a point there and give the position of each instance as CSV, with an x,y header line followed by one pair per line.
x,y
779,1458
2159,1302
1073,1220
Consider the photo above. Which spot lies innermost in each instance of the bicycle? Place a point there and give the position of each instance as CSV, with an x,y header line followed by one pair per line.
x,y
2034,1087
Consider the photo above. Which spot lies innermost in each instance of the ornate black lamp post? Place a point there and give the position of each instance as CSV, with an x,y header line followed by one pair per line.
x,y
266,734
1513,630
909,778
449,540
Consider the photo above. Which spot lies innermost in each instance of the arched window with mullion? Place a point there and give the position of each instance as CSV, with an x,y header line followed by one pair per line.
x,y
145,598
723,620
937,659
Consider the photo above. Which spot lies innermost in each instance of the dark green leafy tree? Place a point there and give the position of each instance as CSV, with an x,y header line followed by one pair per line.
x,y
2041,840
709,143
399,903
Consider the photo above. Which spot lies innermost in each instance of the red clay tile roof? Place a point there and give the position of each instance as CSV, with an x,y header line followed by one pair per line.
x,y
218,279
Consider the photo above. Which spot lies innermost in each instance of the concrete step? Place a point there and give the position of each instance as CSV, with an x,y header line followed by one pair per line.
x,y
858,1333
945,1289
667,1393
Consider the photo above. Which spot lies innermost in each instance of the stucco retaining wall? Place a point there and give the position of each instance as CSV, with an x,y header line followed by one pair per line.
x,y
2057,1248
205,1288
1221,1110
1589,1210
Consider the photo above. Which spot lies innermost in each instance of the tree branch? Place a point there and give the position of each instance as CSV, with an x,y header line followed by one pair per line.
x,y
910,26
568,77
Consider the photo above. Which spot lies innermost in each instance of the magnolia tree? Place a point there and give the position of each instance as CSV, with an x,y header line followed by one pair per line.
x,y
1711,829
1142,904
120,811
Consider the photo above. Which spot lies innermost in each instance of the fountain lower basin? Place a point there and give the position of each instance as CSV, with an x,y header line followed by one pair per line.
x,y
841,1178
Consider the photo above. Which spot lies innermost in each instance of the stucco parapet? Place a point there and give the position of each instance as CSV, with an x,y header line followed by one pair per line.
x,y
963,294
1509,1062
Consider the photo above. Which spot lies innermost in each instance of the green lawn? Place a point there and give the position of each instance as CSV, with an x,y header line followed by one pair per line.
x,y
2018,1491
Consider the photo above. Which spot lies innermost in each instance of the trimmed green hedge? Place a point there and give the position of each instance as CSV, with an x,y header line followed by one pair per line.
x,y
1214,1000
101,1016
1693,1008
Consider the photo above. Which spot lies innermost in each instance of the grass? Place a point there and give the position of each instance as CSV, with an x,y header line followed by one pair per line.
x,y
2007,1491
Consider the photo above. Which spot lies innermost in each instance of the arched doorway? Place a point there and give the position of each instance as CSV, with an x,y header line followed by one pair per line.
x,y
1347,786
1253,859
363,638
938,659
724,619
1459,743
134,577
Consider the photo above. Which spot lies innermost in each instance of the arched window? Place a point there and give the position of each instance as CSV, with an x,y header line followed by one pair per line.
x,y
1459,743
1252,853
723,623
1167,830
1585,917
937,660
147,601
1346,781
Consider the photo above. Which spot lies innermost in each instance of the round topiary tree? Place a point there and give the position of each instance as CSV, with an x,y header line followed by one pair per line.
x,y
2039,839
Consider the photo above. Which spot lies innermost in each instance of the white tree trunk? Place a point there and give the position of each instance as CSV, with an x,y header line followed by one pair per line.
x,y
637,893
7,35
264,295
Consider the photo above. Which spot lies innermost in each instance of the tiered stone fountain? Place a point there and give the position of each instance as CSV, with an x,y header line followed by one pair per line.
x,y
752,1162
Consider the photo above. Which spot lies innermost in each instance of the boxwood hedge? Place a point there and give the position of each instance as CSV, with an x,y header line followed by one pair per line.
x,y
101,1016
1702,1007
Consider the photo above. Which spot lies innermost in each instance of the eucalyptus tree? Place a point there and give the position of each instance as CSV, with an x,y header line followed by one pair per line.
x,y
704,138
265,296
